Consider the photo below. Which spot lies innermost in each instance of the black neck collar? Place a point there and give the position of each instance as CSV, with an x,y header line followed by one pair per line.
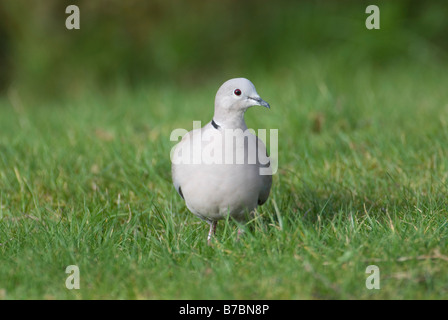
x,y
215,125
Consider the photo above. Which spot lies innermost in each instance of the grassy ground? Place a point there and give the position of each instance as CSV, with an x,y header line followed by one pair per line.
x,y
362,180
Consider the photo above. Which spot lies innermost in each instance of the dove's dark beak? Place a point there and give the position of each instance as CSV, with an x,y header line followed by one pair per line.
x,y
260,102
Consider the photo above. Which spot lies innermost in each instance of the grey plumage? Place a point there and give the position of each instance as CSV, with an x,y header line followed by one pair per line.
x,y
203,175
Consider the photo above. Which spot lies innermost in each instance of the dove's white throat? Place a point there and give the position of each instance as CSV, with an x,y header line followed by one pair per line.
x,y
230,119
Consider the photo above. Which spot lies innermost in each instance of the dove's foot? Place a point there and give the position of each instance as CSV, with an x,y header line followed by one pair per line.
x,y
239,234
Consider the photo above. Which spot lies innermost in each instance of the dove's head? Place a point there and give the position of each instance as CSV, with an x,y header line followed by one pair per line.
x,y
238,95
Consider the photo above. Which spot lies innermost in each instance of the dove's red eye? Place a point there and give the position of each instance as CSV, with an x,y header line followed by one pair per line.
x,y
237,92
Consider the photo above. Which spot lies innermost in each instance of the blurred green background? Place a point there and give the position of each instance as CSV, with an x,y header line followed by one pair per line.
x,y
187,43
85,120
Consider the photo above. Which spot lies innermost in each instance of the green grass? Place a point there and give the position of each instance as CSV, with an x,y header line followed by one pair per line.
x,y
362,180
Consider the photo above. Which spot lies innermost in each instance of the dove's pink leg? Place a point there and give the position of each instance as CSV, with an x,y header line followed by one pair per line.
x,y
212,231
239,234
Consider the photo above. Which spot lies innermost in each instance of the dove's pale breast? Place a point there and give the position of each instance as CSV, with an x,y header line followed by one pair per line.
x,y
222,177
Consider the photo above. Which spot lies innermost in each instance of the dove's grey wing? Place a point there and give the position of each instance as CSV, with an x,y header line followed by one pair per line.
x,y
176,182
177,174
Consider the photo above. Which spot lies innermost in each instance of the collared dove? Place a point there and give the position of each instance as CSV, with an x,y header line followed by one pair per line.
x,y
222,169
